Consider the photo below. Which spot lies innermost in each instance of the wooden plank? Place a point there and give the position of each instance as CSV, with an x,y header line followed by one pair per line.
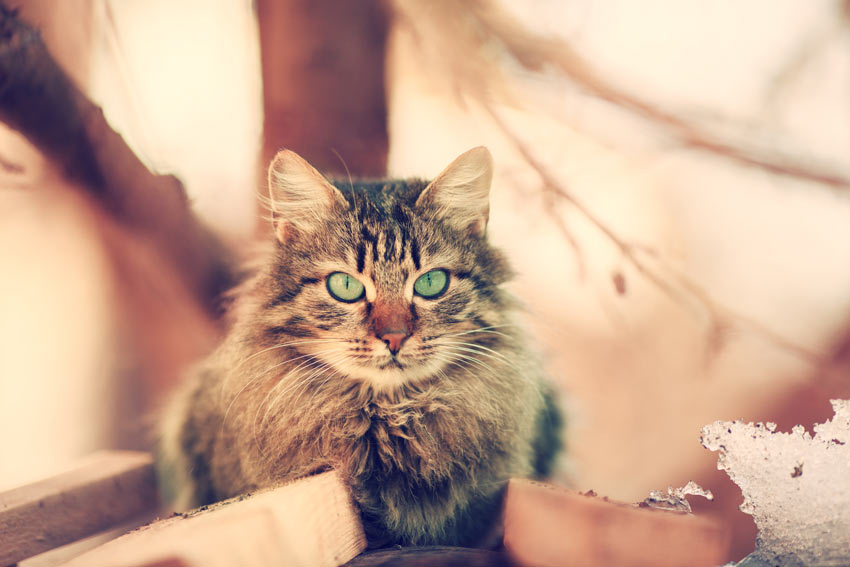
x,y
310,522
547,526
106,489
434,556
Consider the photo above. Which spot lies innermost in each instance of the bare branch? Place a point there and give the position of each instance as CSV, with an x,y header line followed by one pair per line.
x,y
41,102
674,284
484,33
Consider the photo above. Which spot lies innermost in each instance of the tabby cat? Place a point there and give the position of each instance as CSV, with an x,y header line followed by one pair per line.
x,y
377,341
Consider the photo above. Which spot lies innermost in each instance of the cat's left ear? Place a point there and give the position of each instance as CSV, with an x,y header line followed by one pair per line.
x,y
460,195
301,197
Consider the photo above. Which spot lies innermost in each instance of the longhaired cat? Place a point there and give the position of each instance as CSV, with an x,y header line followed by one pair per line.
x,y
376,340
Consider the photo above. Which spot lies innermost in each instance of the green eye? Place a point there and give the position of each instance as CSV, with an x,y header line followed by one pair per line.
x,y
431,284
344,287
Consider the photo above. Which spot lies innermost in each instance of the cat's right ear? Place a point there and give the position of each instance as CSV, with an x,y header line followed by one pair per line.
x,y
300,196
460,195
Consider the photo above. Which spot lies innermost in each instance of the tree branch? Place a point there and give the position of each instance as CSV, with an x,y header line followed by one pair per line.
x,y
677,286
39,100
485,33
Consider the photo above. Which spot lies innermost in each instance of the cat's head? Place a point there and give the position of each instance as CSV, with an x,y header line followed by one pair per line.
x,y
387,282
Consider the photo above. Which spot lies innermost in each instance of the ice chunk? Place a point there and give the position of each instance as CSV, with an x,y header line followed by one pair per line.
x,y
674,499
796,487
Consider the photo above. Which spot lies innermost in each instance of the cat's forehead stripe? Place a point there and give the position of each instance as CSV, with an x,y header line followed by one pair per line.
x,y
371,239
389,244
361,257
383,242
414,254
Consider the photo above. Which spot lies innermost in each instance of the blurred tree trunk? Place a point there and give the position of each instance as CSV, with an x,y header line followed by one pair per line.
x,y
168,269
323,82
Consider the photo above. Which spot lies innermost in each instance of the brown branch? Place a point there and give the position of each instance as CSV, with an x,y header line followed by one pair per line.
x,y
677,286
537,54
42,103
484,33
11,167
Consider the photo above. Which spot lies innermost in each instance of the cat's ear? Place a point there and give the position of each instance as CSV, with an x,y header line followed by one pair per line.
x,y
460,195
300,196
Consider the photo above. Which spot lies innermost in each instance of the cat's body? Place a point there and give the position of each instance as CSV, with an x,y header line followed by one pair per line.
x,y
426,400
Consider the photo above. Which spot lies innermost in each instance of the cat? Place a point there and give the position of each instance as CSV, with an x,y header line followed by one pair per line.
x,y
376,340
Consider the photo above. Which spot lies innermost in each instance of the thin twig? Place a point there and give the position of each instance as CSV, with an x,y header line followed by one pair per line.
x,y
671,282
486,34
11,167
536,54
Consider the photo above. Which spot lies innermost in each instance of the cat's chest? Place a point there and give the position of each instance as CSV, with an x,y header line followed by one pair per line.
x,y
423,442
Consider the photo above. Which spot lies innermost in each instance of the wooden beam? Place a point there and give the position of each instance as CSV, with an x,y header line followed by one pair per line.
x,y
435,556
106,489
548,526
310,522
314,522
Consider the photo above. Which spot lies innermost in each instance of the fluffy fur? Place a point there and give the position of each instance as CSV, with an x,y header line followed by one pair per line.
x,y
426,438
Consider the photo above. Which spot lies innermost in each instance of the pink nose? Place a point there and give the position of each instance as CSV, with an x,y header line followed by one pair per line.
x,y
394,340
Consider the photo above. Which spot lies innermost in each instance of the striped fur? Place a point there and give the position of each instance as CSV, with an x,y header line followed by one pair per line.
x,y
301,384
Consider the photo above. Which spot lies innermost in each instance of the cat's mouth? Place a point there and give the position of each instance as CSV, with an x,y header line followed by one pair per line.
x,y
386,372
375,364
393,362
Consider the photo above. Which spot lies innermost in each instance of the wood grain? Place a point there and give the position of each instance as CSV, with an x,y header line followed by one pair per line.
x,y
310,522
431,557
547,526
106,489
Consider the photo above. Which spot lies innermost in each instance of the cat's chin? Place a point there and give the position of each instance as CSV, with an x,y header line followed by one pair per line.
x,y
392,375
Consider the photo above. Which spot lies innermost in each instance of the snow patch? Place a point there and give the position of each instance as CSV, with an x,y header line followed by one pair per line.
x,y
795,486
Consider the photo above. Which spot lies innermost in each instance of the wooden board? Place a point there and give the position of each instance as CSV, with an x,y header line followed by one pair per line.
x,y
310,522
547,526
435,556
104,490
313,522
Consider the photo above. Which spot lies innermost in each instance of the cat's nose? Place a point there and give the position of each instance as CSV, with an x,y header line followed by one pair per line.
x,y
394,340
392,323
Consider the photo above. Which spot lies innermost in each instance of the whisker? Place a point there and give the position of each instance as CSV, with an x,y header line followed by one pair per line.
x,y
301,380
314,377
312,360
454,361
459,349
282,345
473,360
492,353
300,384
488,330
295,375
253,381
225,382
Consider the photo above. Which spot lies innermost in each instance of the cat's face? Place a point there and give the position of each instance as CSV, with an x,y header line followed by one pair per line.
x,y
387,283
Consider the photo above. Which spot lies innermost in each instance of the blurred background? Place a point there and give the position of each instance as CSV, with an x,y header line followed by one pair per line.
x,y
671,184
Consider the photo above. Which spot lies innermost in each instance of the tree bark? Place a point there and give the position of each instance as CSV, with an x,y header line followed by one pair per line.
x,y
39,100
323,83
